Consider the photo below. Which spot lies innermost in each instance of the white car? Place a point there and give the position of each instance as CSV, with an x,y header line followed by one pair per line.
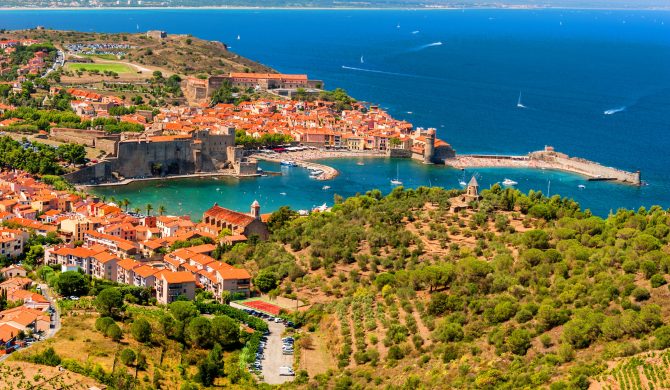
x,y
286,371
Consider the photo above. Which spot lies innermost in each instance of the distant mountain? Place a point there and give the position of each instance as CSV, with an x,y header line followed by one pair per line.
x,y
636,4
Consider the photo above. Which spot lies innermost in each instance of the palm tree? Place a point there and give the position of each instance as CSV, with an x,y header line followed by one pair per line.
x,y
149,208
161,209
136,210
125,202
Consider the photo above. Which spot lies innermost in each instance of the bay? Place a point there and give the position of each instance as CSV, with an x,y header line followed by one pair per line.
x,y
460,72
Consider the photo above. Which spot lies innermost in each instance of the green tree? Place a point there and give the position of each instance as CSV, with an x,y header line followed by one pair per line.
x,y
266,280
109,302
141,330
183,310
114,332
225,331
199,332
71,283
127,356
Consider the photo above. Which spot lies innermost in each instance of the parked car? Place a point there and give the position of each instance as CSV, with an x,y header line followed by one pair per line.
x,y
286,371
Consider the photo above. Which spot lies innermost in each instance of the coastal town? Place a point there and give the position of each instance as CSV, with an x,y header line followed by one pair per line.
x,y
106,242
174,215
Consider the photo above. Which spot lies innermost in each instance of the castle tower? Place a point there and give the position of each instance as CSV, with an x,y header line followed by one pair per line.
x,y
256,210
472,192
429,148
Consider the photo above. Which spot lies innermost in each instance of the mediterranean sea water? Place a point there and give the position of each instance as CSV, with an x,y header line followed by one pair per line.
x,y
596,84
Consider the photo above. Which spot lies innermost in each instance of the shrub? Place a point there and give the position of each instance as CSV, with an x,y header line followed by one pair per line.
x,y
519,341
141,330
102,323
640,294
657,281
114,332
127,356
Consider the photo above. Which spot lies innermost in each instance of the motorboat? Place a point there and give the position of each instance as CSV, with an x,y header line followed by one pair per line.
x,y
325,188
288,163
509,182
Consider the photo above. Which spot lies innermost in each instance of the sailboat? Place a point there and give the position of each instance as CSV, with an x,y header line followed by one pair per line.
x,y
518,103
362,62
238,37
396,181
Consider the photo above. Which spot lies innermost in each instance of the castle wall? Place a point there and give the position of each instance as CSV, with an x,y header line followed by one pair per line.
x,y
92,138
137,158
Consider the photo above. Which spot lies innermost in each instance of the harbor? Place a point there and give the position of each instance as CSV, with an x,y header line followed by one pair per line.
x,y
543,159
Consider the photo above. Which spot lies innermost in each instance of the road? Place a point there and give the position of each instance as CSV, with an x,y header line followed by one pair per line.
x,y
55,320
274,358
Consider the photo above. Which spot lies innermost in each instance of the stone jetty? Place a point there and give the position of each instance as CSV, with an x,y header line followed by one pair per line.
x,y
548,159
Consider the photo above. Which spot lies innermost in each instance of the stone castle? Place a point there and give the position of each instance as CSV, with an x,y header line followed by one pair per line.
x,y
205,151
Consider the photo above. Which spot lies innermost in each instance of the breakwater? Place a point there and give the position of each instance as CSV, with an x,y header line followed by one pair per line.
x,y
548,159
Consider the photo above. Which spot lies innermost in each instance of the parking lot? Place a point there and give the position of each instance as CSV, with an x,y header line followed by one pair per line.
x,y
274,358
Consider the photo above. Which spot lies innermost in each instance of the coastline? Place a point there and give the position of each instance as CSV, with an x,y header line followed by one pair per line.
x,y
312,159
249,8
169,177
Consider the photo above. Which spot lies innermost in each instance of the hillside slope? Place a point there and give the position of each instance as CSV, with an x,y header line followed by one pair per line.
x,y
521,291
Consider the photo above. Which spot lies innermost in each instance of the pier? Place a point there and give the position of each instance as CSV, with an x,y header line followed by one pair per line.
x,y
548,159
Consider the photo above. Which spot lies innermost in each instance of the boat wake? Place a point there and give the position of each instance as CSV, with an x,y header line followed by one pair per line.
x,y
613,111
377,71
426,46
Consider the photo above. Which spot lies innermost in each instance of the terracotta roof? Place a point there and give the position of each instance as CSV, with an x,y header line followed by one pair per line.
x,y
7,332
230,216
177,277
145,271
234,273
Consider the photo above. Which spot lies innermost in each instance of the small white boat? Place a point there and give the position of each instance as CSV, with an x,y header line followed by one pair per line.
x,y
288,163
282,193
360,163
396,181
509,182
462,183
518,103
325,188
362,62
238,37
581,186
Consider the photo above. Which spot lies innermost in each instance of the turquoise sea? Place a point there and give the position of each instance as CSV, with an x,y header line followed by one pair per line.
x,y
461,72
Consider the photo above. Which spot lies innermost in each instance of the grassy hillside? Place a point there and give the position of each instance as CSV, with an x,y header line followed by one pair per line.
x,y
520,291
523,291
180,54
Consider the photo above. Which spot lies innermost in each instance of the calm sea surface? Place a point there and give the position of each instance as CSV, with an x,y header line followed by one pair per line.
x,y
461,72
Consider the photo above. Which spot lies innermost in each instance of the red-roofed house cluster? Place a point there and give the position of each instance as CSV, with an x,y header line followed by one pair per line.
x,y
108,243
310,123
30,315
